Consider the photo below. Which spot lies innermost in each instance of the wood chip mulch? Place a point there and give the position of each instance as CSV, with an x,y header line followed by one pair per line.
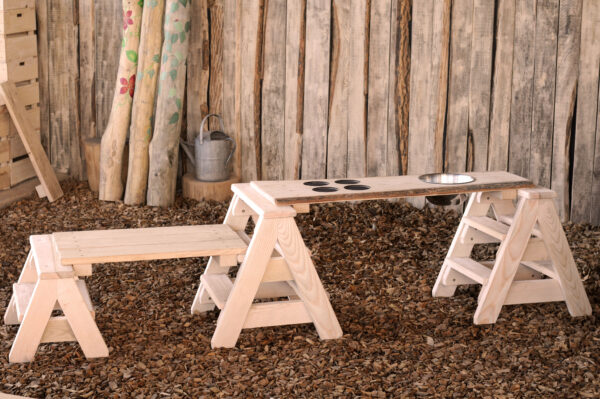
x,y
378,261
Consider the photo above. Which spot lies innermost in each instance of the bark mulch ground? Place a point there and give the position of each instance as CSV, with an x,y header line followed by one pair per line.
x,y
378,261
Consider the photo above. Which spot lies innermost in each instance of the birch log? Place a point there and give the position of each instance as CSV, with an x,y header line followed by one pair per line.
x,y
140,131
113,140
164,147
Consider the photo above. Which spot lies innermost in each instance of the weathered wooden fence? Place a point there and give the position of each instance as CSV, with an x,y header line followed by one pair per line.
x,y
315,88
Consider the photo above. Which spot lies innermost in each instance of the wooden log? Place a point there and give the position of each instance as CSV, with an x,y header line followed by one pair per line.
x,y
379,68
91,148
582,201
337,135
294,87
231,18
198,71
546,32
522,88
215,94
357,85
273,91
316,89
569,34
204,190
501,94
87,69
142,113
41,9
113,140
403,82
458,87
164,147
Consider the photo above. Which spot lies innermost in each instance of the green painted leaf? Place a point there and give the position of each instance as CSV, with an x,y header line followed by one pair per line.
x,y
174,7
183,2
173,74
174,118
182,37
141,3
156,58
188,26
123,43
165,58
178,103
132,56
150,73
172,92
153,3
178,26
174,62
174,38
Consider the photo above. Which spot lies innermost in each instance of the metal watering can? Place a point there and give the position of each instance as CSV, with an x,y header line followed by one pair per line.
x,y
213,151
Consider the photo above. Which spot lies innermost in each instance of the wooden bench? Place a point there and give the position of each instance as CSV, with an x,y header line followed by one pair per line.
x,y
50,279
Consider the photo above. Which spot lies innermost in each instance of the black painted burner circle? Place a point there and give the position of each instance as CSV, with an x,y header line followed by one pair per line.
x,y
357,187
316,183
325,189
347,181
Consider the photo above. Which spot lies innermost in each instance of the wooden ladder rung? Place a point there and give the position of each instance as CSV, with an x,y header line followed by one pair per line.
x,y
544,267
470,268
24,291
218,286
534,291
508,219
277,313
488,225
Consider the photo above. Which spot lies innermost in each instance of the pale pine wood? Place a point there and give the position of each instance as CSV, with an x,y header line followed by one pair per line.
x,y
113,140
544,267
587,107
480,80
58,330
522,88
34,322
101,246
259,203
231,319
218,287
488,226
295,192
142,111
377,107
276,314
294,87
544,82
277,270
273,91
458,86
34,148
569,35
45,260
316,89
562,259
357,74
470,268
306,280
535,291
337,134
493,294
81,321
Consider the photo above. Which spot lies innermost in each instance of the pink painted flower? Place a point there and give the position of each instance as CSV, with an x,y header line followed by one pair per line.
x,y
128,85
127,19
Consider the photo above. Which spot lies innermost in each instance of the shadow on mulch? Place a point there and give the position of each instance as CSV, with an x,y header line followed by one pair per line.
x,y
378,260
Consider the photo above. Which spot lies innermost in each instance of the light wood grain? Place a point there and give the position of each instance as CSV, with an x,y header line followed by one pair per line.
x,y
87,68
276,313
259,203
231,72
316,89
17,20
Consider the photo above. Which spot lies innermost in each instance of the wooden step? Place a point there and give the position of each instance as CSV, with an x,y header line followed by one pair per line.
x,y
545,267
218,286
487,225
470,268
508,219
24,291
128,245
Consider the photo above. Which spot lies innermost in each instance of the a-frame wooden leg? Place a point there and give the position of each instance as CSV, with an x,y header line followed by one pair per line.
x,y
306,283
493,294
34,322
477,206
28,275
81,321
562,259
237,218
232,317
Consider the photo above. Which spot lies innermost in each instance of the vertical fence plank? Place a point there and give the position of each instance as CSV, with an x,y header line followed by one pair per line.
x,y
63,76
337,136
522,88
109,28
357,117
250,54
569,28
501,94
480,84
316,89
392,145
587,109
595,200
379,68
273,91
403,81
41,9
544,79
87,67
439,80
294,87
215,95
458,87
230,16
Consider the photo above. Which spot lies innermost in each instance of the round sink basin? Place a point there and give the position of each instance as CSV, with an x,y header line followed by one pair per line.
x,y
446,179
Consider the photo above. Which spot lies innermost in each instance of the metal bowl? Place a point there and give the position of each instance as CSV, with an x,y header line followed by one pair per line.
x,y
446,179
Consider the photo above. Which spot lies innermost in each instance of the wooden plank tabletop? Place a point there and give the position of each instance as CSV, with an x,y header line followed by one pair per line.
x,y
290,192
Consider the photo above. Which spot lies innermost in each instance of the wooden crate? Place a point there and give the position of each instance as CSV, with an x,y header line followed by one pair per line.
x,y
17,20
13,4
18,47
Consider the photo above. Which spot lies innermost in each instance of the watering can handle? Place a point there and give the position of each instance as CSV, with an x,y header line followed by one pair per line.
x,y
204,120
